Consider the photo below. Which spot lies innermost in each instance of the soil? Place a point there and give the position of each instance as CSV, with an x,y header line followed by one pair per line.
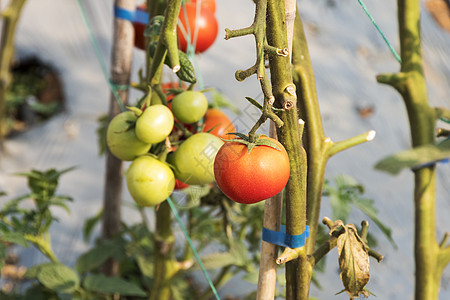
x,y
36,94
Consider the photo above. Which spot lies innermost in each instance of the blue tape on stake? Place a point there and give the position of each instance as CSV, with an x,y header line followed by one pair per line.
x,y
431,163
281,238
135,16
141,17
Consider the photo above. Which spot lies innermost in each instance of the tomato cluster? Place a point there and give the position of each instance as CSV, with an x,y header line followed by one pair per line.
x,y
138,135
196,26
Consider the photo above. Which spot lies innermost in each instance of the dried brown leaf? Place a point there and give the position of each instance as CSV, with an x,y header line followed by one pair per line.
x,y
353,262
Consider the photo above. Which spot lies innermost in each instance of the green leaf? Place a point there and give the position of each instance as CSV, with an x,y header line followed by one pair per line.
x,y
112,285
180,289
15,238
340,205
254,103
366,206
252,276
153,30
217,260
267,142
3,255
219,100
413,158
240,253
243,137
58,277
187,71
40,292
101,130
95,257
193,196
90,223
33,272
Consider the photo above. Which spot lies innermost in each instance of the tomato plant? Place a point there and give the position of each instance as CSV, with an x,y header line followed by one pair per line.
x,y
189,107
121,137
251,177
155,124
193,161
202,29
149,181
218,123
139,28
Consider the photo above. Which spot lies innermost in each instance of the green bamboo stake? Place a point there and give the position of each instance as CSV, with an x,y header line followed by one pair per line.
x,y
165,266
10,17
430,256
290,136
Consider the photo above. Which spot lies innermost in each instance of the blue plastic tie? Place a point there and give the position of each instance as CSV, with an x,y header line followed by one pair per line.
x,y
281,238
431,163
135,16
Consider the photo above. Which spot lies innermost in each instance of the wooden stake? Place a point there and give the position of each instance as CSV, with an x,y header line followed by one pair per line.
x,y
122,54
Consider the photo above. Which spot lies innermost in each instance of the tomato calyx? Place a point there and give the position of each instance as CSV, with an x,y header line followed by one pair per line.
x,y
258,141
137,111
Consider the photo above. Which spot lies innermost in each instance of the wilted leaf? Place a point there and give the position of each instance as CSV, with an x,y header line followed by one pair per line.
x,y
414,157
353,262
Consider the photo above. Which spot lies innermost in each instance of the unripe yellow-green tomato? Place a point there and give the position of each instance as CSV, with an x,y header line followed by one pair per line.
x,y
121,137
149,181
193,161
155,124
189,106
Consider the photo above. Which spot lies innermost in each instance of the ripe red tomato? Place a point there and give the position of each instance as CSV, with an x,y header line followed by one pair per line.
x,y
251,177
202,29
180,185
219,122
209,4
139,28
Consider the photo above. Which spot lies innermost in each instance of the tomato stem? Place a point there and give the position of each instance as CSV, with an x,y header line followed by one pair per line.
x,y
169,35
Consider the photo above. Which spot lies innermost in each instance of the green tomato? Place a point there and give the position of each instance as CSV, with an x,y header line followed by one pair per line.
x,y
121,137
155,124
193,161
189,106
149,181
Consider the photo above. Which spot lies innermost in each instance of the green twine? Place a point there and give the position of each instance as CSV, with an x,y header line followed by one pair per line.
x,y
175,212
445,120
114,88
190,48
397,57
